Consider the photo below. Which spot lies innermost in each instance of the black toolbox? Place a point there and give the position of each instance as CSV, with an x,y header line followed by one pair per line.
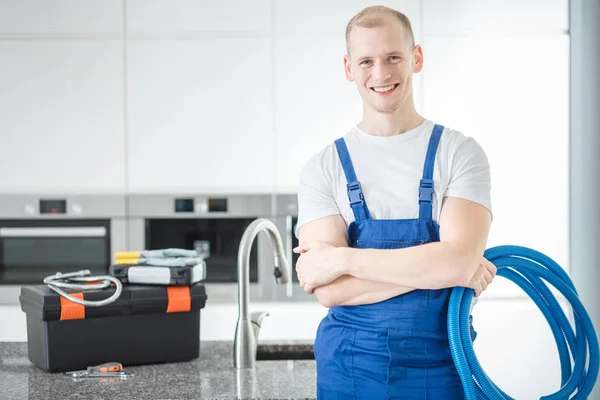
x,y
147,324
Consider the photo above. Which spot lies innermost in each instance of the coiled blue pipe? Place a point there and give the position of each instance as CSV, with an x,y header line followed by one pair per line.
x,y
527,268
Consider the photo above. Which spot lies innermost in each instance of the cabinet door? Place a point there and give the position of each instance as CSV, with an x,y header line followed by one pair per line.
x,y
59,17
199,115
286,321
188,17
14,322
314,103
512,96
62,116
329,18
497,17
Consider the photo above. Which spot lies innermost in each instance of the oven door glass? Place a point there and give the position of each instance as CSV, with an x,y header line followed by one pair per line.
x,y
31,250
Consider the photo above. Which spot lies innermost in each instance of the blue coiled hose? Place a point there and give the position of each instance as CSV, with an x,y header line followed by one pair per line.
x,y
525,267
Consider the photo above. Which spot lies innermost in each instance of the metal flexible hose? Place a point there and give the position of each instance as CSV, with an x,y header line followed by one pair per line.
x,y
71,280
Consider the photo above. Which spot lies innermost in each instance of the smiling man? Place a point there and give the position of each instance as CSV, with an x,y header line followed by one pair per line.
x,y
391,217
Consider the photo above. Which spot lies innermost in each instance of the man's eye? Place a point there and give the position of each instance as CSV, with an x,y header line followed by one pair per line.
x,y
365,62
394,58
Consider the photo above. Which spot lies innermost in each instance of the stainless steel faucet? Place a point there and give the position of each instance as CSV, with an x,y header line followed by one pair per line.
x,y
248,326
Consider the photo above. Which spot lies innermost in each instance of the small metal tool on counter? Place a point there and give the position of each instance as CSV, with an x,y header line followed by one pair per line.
x,y
108,370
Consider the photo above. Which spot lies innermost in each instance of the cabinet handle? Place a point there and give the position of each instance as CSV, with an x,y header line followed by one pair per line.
x,y
70,231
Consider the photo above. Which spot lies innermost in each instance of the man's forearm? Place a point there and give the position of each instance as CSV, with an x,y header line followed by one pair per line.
x,y
430,266
349,291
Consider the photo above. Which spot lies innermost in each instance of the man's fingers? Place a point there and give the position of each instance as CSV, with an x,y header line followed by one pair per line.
x,y
301,249
488,277
307,288
490,267
305,246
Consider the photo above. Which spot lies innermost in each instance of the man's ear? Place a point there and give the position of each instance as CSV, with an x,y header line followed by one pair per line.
x,y
348,68
417,59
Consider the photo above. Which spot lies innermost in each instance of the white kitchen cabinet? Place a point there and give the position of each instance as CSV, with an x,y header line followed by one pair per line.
x,y
495,17
286,321
61,128
13,324
199,115
60,17
164,17
329,18
314,103
512,96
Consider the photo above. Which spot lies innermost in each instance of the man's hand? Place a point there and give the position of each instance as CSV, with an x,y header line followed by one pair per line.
x,y
319,264
483,276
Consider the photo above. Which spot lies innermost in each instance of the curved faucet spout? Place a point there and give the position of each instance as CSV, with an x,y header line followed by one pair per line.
x,y
245,335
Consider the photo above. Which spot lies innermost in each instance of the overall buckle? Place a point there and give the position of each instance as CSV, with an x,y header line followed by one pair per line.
x,y
355,194
426,190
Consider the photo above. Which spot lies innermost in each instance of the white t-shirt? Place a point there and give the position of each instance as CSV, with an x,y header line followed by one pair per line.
x,y
389,169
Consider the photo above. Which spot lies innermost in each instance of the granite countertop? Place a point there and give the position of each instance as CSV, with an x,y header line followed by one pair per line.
x,y
211,376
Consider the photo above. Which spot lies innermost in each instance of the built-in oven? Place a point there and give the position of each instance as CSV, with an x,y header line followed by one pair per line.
x,y
214,225
43,235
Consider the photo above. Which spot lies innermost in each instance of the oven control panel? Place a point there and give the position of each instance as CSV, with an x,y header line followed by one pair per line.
x,y
187,205
53,206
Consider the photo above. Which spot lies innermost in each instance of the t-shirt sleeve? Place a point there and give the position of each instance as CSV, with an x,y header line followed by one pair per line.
x,y
470,174
315,193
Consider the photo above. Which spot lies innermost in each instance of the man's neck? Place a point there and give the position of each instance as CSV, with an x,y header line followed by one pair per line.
x,y
390,124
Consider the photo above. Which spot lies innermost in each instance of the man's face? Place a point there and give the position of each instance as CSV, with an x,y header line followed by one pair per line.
x,y
382,63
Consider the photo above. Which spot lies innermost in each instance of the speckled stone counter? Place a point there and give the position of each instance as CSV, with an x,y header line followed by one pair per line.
x,y
211,376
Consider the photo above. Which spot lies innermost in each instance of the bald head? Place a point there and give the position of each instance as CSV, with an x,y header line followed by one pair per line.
x,y
376,16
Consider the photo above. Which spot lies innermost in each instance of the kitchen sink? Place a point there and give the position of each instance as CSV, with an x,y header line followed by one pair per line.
x,y
285,351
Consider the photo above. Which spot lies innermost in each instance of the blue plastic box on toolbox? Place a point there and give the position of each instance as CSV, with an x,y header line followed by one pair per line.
x,y
147,324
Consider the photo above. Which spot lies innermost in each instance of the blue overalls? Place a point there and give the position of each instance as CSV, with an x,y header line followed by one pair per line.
x,y
398,348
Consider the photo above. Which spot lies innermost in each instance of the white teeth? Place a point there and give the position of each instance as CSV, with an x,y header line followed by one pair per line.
x,y
384,88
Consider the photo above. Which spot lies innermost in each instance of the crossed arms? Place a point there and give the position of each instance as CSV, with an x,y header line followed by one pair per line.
x,y
339,275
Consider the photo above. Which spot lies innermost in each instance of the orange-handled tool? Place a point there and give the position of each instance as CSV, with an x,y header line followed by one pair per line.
x,y
108,367
111,369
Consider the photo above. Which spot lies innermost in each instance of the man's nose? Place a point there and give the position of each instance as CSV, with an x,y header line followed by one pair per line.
x,y
381,72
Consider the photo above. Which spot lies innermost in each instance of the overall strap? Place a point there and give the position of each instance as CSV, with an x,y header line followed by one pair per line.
x,y
355,193
426,184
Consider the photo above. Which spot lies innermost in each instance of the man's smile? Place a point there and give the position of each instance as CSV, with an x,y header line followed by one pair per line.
x,y
385,89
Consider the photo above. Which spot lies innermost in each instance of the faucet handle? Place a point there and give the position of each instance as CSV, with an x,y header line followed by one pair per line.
x,y
256,322
256,317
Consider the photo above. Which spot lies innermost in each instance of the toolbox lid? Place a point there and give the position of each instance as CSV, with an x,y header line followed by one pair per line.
x,y
41,302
